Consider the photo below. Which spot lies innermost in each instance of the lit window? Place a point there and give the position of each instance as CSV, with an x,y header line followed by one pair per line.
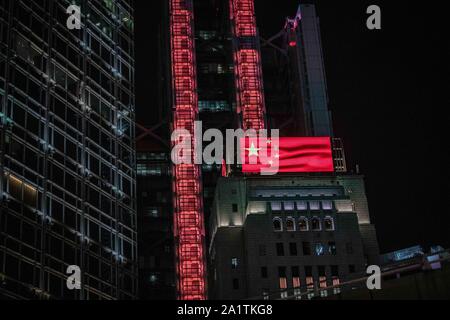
x,y
296,283
276,206
323,285
332,248
213,106
320,250
290,224
283,282
315,224
327,205
302,206
277,225
336,282
314,205
151,212
234,263
310,286
329,224
153,278
22,191
289,206
335,279
303,224
207,34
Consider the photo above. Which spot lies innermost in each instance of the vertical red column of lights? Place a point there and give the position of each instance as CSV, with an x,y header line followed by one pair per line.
x,y
248,71
189,227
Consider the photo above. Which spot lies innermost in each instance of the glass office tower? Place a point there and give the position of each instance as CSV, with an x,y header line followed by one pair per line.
x,y
67,178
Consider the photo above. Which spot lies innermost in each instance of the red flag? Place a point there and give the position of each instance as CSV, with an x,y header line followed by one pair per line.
x,y
287,155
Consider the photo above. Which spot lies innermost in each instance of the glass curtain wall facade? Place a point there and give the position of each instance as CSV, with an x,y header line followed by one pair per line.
x,y
67,178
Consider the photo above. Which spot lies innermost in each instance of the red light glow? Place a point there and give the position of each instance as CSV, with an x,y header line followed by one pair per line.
x,y
293,155
248,72
189,230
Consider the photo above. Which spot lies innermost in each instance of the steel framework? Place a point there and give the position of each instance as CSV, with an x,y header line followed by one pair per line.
x,y
189,227
247,59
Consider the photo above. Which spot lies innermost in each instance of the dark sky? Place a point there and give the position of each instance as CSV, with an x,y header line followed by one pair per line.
x,y
389,94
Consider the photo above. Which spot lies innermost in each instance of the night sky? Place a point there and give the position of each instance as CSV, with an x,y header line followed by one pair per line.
x,y
388,92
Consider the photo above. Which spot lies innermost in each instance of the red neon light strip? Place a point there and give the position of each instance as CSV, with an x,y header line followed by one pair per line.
x,y
248,71
189,227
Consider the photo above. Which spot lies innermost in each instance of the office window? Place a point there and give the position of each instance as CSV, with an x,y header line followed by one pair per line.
x,y
213,106
309,281
303,224
320,250
280,249
293,249
283,282
302,206
329,224
306,248
277,225
315,224
327,205
234,263
296,282
276,206
322,281
314,205
264,273
335,279
290,224
289,206
22,191
332,248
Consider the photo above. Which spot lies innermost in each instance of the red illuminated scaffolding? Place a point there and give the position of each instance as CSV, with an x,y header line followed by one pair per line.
x,y
189,228
248,71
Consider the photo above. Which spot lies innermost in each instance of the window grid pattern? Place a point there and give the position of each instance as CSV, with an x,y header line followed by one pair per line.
x,y
67,99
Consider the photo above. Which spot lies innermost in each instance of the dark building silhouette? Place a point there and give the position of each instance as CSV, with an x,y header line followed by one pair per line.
x,y
67,161
293,234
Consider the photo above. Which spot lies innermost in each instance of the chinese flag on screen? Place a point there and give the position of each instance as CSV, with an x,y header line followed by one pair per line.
x,y
287,155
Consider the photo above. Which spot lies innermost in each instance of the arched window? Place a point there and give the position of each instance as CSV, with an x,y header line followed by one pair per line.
x,y
329,224
303,224
315,224
290,224
277,225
